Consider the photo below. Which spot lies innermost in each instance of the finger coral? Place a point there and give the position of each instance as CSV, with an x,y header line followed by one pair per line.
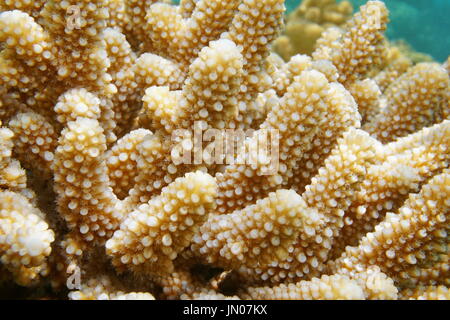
x,y
85,199
103,289
158,151
152,236
35,141
407,164
25,239
359,47
400,240
306,23
258,235
311,107
326,288
416,100
427,293
12,176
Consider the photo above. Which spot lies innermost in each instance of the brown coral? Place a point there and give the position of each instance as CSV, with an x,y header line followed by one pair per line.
x,y
306,24
108,110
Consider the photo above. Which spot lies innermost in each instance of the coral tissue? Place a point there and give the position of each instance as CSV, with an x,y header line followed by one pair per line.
x,y
94,199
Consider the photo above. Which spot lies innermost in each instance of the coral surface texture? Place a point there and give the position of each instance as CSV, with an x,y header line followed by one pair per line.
x,y
219,149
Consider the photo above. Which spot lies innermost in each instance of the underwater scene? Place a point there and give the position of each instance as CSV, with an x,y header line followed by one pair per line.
x,y
423,24
224,150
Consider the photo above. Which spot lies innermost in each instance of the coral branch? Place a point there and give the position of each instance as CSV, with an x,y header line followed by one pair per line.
x,y
155,233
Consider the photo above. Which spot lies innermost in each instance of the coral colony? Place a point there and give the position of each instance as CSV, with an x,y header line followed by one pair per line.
x,y
348,197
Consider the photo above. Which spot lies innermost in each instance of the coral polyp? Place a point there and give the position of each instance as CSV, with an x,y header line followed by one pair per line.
x,y
102,100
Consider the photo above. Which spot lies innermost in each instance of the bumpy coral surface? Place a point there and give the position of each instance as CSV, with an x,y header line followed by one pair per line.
x,y
158,151
306,23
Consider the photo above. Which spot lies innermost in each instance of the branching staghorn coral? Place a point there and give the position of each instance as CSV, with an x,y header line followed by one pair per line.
x,y
307,22
254,25
407,164
436,274
25,238
427,293
31,7
122,161
257,235
407,238
93,113
133,75
301,243
359,47
153,235
376,285
181,39
34,51
310,106
12,176
85,199
416,100
368,97
330,193
103,288
394,65
77,58
32,132
335,287
208,94
285,73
